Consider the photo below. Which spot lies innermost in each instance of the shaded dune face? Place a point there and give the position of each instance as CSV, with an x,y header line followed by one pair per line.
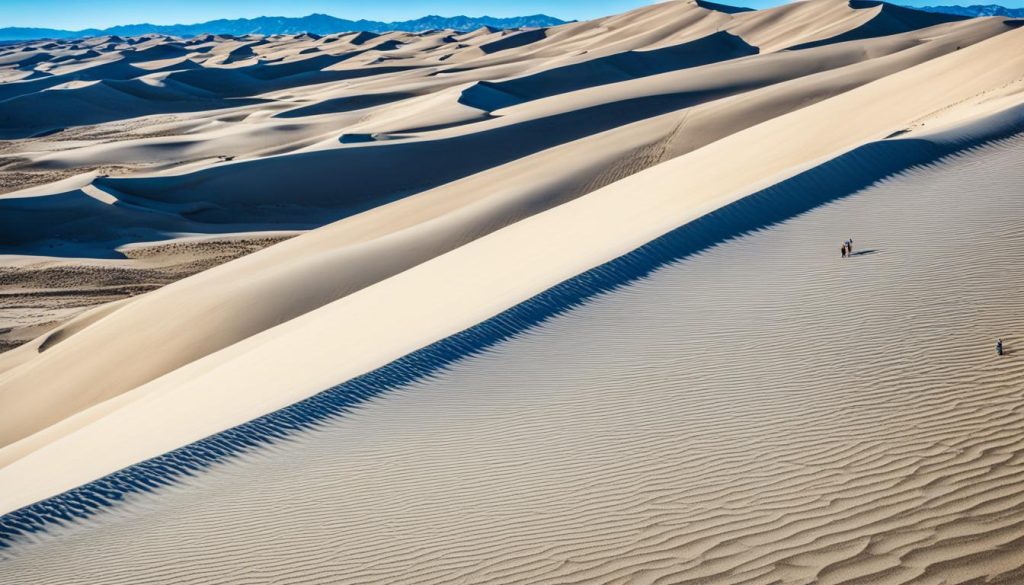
x,y
888,19
601,253
717,47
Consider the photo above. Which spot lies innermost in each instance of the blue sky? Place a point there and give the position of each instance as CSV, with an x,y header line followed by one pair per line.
x,y
79,14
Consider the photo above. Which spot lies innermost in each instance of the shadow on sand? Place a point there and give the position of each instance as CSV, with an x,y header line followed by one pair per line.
x,y
826,183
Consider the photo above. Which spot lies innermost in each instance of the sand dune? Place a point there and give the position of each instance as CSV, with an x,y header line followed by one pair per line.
x,y
801,25
691,438
411,234
239,193
719,46
653,197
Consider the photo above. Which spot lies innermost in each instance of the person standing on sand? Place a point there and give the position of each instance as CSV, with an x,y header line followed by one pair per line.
x,y
999,347
843,250
849,247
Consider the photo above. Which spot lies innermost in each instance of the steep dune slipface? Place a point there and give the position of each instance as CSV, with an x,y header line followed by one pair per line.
x,y
887,20
720,46
812,23
479,194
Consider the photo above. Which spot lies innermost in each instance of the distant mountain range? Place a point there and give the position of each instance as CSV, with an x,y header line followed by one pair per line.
x,y
274,25
976,10
325,24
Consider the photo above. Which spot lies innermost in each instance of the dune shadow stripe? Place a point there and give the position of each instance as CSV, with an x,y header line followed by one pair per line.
x,y
892,19
831,181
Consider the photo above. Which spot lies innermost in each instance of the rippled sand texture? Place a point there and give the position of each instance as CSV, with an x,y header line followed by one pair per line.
x,y
762,412
559,305
507,173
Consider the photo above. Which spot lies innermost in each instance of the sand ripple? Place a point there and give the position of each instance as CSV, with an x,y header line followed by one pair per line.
x,y
758,412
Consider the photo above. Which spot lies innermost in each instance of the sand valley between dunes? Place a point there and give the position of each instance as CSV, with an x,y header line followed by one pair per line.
x,y
533,306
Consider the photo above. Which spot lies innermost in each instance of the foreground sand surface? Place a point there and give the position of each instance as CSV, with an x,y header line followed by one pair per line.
x,y
762,412
636,218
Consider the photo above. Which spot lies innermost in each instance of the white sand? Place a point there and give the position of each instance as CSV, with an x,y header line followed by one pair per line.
x,y
763,412
470,198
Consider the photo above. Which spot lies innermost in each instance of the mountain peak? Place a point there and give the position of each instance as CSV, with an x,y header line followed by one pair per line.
x,y
975,10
